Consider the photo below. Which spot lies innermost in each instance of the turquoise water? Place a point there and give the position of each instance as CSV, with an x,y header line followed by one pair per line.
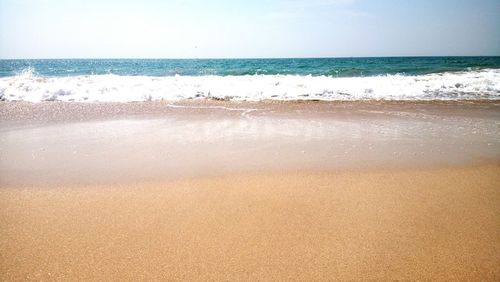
x,y
330,79
336,67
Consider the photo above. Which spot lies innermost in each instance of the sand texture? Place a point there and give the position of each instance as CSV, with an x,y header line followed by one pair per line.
x,y
439,225
243,191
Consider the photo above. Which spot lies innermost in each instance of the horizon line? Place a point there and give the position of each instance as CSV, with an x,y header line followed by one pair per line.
x,y
241,58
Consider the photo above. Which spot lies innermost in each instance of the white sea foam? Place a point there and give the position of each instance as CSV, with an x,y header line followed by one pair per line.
x,y
28,86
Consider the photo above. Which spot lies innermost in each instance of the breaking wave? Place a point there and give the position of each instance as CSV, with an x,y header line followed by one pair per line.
x,y
29,86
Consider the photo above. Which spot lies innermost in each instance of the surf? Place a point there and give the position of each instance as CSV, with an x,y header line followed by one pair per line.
x,y
30,86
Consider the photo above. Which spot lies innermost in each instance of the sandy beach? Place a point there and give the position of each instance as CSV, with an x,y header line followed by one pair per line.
x,y
210,191
300,140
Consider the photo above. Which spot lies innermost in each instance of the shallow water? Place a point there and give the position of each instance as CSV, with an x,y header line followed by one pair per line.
x,y
192,141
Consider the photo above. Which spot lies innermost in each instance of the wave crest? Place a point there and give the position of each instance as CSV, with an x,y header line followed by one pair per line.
x,y
29,86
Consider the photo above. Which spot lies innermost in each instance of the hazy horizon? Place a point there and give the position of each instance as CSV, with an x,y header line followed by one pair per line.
x,y
248,58
221,29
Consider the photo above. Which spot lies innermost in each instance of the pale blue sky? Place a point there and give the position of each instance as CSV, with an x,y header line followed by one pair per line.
x,y
233,28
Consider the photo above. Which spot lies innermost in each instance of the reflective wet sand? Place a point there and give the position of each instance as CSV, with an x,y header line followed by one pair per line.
x,y
63,143
240,191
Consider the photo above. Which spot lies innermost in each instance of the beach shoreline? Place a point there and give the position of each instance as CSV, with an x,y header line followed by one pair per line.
x,y
58,111
218,190
93,143
302,140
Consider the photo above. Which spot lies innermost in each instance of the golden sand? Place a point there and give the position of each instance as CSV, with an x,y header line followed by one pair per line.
x,y
228,191
439,224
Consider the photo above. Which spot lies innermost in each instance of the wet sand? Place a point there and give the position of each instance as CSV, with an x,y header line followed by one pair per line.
x,y
235,191
65,143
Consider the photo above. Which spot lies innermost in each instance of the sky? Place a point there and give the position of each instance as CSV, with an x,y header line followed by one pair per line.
x,y
247,29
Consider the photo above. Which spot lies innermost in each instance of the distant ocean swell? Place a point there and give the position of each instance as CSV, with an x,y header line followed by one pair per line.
x,y
463,85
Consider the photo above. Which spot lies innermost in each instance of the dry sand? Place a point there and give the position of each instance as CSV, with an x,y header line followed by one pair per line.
x,y
211,191
440,224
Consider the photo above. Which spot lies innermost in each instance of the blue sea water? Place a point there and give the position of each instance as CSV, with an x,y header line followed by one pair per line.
x,y
336,67
124,80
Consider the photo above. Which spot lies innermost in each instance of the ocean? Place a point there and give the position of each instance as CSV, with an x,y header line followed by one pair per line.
x,y
329,79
